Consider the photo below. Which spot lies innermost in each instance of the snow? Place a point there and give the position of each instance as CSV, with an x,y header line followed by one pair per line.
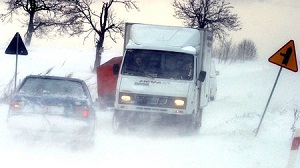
x,y
37,122
226,139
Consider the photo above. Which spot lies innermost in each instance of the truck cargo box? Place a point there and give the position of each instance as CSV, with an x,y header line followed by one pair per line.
x,y
107,81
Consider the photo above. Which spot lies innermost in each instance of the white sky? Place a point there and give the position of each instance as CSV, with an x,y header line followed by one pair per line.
x,y
269,23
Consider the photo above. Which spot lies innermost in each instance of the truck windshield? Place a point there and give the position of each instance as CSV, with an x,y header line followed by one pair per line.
x,y
158,64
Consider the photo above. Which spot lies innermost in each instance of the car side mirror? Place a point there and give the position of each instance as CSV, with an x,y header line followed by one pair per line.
x,y
202,76
116,69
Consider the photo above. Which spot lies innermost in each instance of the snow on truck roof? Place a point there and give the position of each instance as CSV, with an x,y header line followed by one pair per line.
x,y
164,37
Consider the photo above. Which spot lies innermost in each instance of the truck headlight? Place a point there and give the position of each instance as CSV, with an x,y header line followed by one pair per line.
x,y
125,98
179,102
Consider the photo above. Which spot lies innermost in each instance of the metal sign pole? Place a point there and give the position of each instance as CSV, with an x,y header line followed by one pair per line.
x,y
16,68
268,101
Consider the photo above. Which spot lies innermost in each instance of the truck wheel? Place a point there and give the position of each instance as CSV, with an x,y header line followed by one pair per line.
x,y
194,122
198,120
117,123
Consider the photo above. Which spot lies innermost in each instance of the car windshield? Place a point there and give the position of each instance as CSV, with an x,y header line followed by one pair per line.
x,y
158,64
52,87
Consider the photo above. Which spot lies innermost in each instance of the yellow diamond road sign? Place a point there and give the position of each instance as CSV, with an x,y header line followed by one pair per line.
x,y
286,57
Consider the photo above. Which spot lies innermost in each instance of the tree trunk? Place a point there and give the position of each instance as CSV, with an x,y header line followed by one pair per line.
x,y
29,31
99,51
28,37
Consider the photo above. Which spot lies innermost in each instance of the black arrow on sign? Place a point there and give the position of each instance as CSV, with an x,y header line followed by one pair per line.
x,y
287,55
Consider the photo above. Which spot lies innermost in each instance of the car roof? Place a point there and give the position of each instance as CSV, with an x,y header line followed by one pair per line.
x,y
55,77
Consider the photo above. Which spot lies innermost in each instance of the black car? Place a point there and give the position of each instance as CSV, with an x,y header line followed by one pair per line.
x,y
52,105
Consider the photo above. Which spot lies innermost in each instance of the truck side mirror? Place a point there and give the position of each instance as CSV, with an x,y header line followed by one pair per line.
x,y
202,76
116,69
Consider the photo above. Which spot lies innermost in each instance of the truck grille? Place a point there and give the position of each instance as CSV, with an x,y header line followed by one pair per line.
x,y
147,100
152,100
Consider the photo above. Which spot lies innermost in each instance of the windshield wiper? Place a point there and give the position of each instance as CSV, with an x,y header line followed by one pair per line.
x,y
151,75
140,73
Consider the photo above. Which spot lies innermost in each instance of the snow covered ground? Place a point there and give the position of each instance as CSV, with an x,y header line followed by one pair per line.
x,y
226,139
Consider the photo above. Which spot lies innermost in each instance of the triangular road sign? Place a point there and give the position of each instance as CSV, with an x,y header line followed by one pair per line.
x,y
16,46
286,57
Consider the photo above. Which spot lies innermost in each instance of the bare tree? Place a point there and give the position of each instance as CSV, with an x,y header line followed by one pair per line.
x,y
224,51
214,15
227,51
43,16
246,50
103,24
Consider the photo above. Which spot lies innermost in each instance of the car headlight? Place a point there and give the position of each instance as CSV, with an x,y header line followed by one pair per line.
x,y
179,102
125,98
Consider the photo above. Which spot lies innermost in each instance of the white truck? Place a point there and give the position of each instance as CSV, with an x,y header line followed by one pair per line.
x,y
171,84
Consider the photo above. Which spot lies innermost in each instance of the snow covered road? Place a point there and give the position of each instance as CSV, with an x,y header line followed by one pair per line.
x,y
226,138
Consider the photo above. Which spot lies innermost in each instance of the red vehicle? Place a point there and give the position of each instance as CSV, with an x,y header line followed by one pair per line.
x,y
107,81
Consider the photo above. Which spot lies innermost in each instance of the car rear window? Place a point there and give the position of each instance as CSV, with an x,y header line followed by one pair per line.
x,y
53,87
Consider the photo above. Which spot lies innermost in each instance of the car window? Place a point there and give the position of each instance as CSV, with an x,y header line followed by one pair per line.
x,y
52,87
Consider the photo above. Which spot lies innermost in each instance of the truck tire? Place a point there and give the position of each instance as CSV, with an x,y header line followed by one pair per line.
x,y
212,98
193,122
118,124
198,120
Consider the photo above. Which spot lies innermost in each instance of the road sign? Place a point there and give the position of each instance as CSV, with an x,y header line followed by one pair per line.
x,y
286,57
16,46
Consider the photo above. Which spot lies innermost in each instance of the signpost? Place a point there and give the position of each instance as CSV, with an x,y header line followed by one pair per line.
x,y
16,46
285,57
